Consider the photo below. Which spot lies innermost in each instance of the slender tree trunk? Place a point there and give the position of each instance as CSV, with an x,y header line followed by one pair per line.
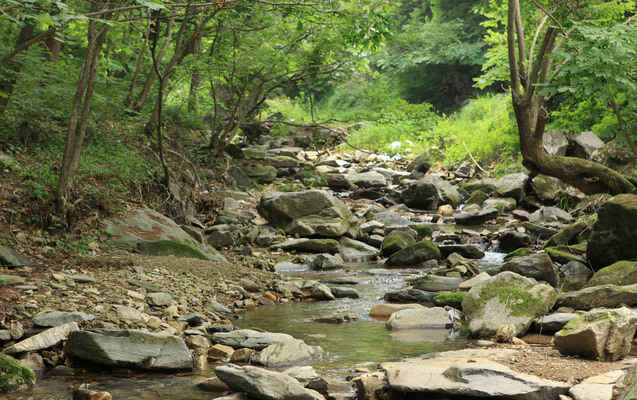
x,y
80,114
140,61
6,84
52,42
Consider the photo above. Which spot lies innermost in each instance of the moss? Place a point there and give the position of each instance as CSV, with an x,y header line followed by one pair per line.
x,y
577,323
422,230
619,273
478,197
561,256
568,235
172,247
14,376
450,299
522,251
520,301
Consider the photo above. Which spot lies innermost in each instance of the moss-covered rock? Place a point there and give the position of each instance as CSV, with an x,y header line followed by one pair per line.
x,y
619,273
450,299
422,230
396,241
503,205
512,240
609,296
477,197
415,254
486,185
13,376
561,256
523,251
465,250
571,234
614,233
506,299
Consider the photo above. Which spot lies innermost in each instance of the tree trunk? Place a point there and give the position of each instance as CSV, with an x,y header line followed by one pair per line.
x,y
79,118
6,84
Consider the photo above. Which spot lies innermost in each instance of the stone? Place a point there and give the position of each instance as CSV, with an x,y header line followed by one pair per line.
x,y
302,374
464,250
433,283
159,299
43,340
396,241
217,307
129,349
600,333
420,163
453,300
620,273
429,192
368,179
512,185
309,245
317,291
241,180
445,210
507,298
613,234
594,391
574,275
288,352
562,256
12,259
536,266
549,214
197,342
390,218
286,266
555,142
353,250
344,293
312,212
414,254
505,334
409,296
584,144
477,197
243,355
249,338
333,388
510,241
469,283
630,382
192,319
325,261
260,173
420,318
383,310
148,231
553,322
263,384
570,234
609,296
7,279
339,183
220,236
370,226
476,217
14,376
220,352
57,318
128,314
213,384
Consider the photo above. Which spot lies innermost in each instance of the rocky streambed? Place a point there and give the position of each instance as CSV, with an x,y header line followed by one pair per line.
x,y
386,283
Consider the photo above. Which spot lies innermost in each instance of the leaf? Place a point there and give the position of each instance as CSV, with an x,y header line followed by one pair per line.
x,y
151,4
46,20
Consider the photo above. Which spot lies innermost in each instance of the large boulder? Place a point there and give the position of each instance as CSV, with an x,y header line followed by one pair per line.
x,y
429,192
584,144
148,231
609,296
415,254
308,213
420,318
512,185
614,233
288,352
619,273
536,266
600,333
506,299
555,143
13,376
262,384
130,348
396,241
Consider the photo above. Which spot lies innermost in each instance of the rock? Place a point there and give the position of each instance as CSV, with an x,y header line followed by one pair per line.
x,y
549,214
414,254
370,226
396,241
574,275
536,266
389,218
476,217
469,283
453,300
601,333
409,296
150,232
219,236
382,310
128,314
477,197
197,342
344,293
322,262
421,318
353,250
217,307
292,351
584,144
43,340
429,192
368,179
505,333
57,318
619,273
260,173
445,210
468,379
510,241
562,256
568,235
243,355
609,296
587,391
241,180
339,183
465,250
81,393
420,163
308,245
553,322
317,291
14,376
555,142
11,258
512,185
312,212
368,384
630,382
12,279
129,349
286,266
614,232
159,299
333,388
302,374
249,338
507,298
263,384
433,283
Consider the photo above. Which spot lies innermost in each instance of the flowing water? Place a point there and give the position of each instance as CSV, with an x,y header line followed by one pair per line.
x,y
363,342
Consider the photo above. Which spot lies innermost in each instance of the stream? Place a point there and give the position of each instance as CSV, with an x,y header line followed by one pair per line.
x,y
363,342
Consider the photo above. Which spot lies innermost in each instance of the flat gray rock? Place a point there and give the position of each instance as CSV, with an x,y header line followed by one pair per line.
x,y
610,296
249,338
424,318
11,258
309,245
43,340
263,384
353,250
288,352
57,318
553,322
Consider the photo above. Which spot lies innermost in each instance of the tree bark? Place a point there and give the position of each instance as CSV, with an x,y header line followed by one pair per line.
x,y
21,44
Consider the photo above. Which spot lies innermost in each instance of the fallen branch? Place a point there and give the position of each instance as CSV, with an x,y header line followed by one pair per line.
x,y
474,160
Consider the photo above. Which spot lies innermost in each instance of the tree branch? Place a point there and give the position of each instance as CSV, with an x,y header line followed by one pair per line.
x,y
511,44
7,59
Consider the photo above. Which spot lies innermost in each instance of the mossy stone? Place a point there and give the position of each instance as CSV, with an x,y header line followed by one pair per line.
x,y
571,234
396,241
477,197
450,299
415,254
521,252
561,256
620,273
13,376
422,230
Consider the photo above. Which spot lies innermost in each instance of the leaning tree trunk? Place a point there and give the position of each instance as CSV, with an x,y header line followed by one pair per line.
x,y
79,118
531,116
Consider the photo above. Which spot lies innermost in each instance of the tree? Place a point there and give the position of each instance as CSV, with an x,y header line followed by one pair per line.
x,y
533,69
